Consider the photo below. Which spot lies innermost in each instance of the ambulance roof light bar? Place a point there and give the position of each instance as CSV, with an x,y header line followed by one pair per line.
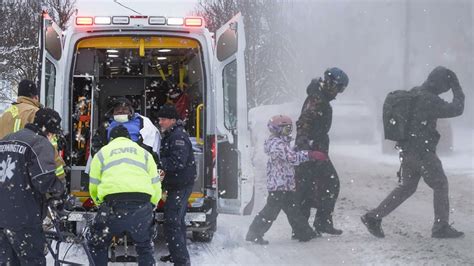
x,y
175,21
157,20
193,21
102,20
153,20
84,20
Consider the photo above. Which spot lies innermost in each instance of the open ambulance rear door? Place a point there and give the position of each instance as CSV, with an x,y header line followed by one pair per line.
x,y
51,48
235,180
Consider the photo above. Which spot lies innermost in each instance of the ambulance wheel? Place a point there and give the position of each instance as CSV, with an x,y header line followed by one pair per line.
x,y
205,236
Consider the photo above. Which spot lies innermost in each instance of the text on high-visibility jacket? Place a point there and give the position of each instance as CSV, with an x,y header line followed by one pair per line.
x,y
122,166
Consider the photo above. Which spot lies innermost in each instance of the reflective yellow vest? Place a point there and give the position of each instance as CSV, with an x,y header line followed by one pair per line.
x,y
122,166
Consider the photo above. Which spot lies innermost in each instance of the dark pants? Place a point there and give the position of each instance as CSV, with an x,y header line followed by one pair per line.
x,y
24,246
415,166
174,225
277,201
116,218
317,185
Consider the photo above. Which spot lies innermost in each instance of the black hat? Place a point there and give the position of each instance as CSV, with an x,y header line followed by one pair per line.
x,y
27,88
168,111
119,131
46,119
121,101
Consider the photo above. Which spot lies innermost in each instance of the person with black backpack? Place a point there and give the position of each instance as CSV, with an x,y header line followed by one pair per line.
x,y
410,119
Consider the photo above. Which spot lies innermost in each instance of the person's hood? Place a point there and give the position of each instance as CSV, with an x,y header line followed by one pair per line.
x,y
440,80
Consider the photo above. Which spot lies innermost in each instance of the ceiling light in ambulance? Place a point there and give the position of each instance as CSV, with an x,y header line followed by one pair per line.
x,y
112,55
157,20
164,50
112,51
175,21
102,20
84,21
193,22
121,20
161,58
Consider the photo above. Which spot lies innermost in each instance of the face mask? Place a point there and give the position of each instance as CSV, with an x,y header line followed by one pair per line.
x,y
121,118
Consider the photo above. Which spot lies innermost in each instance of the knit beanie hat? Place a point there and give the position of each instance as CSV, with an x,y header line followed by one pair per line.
x,y
46,119
27,88
168,111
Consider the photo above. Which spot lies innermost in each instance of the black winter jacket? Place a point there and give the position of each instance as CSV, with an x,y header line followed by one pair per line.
x,y
423,136
27,173
315,121
177,159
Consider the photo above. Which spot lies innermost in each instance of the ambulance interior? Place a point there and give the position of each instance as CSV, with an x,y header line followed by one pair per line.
x,y
139,68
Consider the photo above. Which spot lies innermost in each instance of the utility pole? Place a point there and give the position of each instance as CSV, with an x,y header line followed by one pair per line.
x,y
406,56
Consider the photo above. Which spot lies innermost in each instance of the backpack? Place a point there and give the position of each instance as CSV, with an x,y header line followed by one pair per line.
x,y
397,114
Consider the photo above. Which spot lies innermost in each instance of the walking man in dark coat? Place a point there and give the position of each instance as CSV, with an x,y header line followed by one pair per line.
x,y
317,181
418,154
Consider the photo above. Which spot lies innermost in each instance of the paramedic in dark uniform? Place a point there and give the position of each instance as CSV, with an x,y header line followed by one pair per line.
x,y
27,173
177,161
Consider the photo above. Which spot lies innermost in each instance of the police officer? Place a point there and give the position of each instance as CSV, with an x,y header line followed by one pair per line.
x,y
23,112
124,182
177,160
418,154
27,173
317,181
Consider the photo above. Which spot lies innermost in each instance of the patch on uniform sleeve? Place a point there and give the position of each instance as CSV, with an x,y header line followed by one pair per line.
x,y
179,142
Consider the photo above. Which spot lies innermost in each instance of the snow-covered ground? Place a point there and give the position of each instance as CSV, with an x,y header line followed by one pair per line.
x,y
366,176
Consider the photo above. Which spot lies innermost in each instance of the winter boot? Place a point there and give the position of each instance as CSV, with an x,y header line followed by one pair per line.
x,y
374,225
166,258
255,239
322,225
446,231
308,236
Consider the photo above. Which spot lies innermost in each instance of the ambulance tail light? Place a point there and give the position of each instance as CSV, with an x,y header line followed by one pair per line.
x,y
193,22
83,21
214,158
102,20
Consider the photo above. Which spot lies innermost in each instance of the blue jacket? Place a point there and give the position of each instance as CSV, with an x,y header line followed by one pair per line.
x,y
133,126
177,159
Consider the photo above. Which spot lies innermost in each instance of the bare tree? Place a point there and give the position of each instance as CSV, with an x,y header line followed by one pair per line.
x,y
19,29
268,53
61,11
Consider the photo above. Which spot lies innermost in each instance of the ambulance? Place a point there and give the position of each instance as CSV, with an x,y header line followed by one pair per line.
x,y
100,58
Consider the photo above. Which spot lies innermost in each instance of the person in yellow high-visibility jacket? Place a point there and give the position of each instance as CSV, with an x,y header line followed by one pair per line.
x,y
23,112
124,182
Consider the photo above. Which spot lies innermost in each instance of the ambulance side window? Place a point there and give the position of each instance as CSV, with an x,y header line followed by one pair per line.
x,y
50,80
227,43
53,42
230,95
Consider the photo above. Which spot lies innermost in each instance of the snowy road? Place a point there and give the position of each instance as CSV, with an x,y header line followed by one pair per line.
x,y
365,181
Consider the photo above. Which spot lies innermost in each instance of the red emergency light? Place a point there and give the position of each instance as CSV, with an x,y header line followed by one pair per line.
x,y
193,22
84,20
